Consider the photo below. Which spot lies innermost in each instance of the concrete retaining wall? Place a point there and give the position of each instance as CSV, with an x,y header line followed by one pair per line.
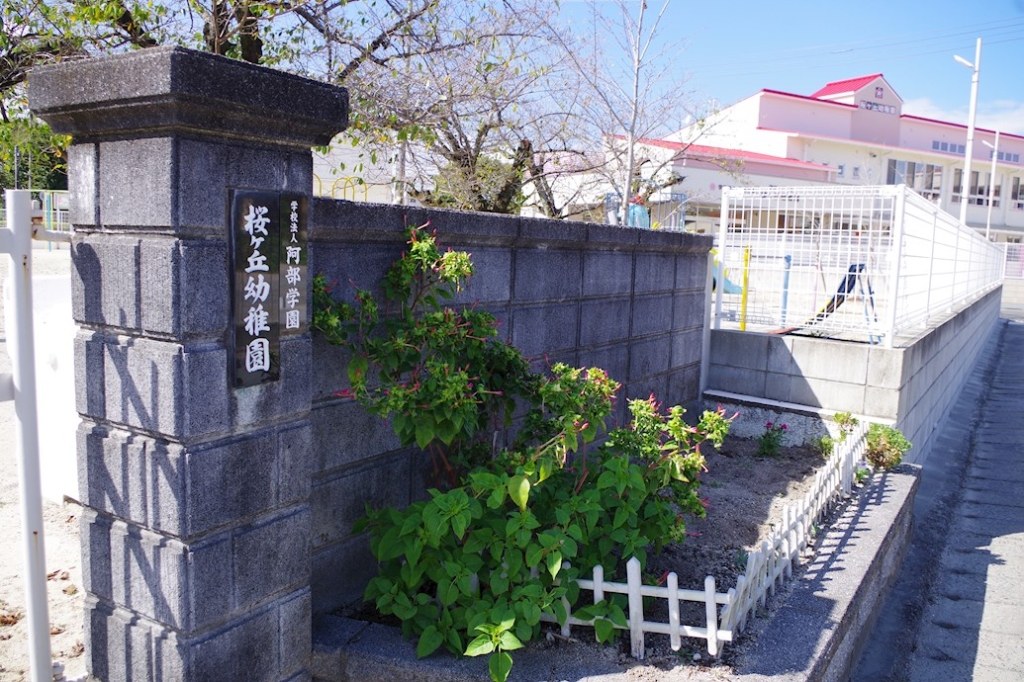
x,y
911,386
626,300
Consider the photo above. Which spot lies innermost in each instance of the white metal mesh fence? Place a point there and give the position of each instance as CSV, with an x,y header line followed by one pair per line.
x,y
859,263
55,206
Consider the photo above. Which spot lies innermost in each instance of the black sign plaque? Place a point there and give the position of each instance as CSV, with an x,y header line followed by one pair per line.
x,y
294,301
256,260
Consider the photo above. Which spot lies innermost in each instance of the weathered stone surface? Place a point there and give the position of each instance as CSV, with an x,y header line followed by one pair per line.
x,y
184,91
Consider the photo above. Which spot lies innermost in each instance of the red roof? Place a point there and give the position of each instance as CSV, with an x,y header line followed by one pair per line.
x,y
705,152
842,87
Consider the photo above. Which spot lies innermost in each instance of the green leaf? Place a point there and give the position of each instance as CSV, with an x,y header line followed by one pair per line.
x,y
480,646
553,561
534,553
499,583
447,592
519,491
509,641
606,480
604,629
454,640
430,640
356,369
424,434
499,665
459,523
496,498
560,613
404,608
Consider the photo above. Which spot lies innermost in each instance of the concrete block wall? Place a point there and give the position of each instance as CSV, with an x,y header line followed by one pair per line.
x,y
629,301
218,520
936,365
911,385
196,534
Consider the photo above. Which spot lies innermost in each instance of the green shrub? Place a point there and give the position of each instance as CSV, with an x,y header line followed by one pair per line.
x,y
473,568
885,446
846,423
824,445
769,442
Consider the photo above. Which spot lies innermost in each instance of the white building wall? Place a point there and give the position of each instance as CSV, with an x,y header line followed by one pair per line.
x,y
782,112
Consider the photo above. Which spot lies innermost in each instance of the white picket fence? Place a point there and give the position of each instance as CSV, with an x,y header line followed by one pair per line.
x,y
766,568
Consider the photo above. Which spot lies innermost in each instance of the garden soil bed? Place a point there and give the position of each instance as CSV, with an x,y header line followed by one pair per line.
x,y
744,495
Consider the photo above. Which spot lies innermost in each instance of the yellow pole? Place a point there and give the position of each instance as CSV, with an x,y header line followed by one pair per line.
x,y
743,295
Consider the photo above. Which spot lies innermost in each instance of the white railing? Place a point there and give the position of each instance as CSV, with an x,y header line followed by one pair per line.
x,y
1013,261
765,568
865,263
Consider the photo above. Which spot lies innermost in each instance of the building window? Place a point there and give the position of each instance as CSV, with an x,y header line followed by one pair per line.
x,y
978,195
923,178
1006,156
856,172
878,92
1017,194
842,170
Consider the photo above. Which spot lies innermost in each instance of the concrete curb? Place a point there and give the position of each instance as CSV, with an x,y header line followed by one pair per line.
x,y
818,632
815,635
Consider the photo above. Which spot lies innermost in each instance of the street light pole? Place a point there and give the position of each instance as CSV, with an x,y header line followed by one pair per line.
x,y
991,182
965,183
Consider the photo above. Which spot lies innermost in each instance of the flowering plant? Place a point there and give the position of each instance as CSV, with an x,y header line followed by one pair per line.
x,y
507,531
769,442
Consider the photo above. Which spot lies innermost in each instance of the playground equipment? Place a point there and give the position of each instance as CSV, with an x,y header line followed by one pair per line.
x,y
856,277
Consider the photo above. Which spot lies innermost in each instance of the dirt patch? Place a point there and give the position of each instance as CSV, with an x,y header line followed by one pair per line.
x,y
745,494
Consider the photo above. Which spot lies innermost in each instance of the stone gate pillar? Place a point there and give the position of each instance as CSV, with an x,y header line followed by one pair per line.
x,y
196,529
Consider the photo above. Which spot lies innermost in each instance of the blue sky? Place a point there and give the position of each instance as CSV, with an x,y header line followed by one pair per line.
x,y
730,49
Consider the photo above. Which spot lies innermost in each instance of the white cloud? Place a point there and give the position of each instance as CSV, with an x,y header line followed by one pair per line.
x,y
1003,115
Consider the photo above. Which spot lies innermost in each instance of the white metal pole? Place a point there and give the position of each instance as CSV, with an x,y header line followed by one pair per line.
x,y
965,185
991,184
723,233
21,348
896,254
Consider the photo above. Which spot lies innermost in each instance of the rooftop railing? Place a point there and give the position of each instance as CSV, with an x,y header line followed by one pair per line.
x,y
857,263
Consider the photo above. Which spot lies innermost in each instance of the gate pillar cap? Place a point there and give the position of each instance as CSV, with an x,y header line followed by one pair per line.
x,y
168,91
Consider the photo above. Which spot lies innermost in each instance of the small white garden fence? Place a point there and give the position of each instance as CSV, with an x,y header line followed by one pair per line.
x,y
766,567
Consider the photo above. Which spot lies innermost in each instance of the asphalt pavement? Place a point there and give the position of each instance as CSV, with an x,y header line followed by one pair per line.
x,y
956,613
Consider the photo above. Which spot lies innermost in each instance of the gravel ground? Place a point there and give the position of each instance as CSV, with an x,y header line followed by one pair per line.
x,y
63,562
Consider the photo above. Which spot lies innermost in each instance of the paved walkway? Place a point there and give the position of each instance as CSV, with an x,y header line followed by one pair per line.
x,y
957,611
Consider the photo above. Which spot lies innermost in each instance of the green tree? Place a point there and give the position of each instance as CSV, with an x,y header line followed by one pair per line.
x,y
31,156
624,86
